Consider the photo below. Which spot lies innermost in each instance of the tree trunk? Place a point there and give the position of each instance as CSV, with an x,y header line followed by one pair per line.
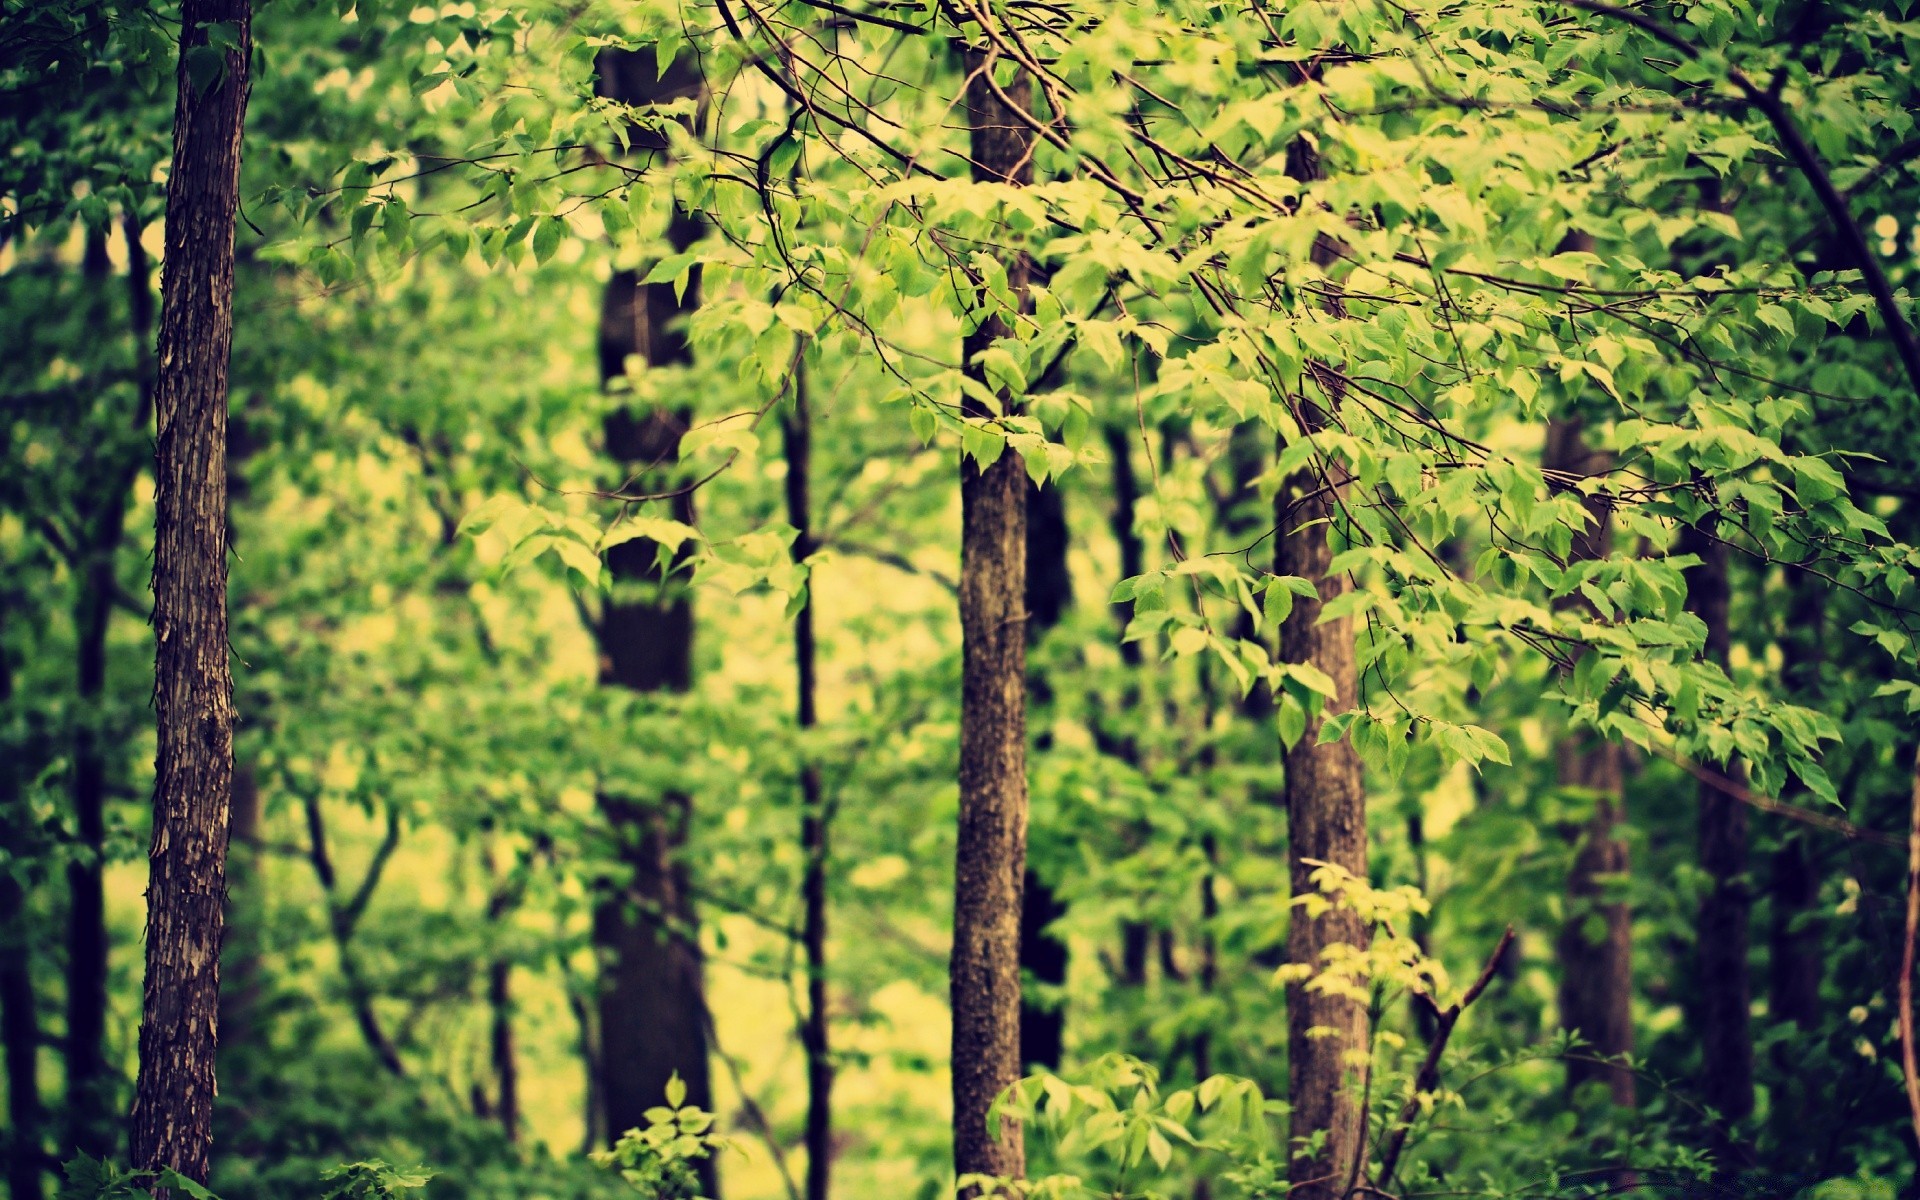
x,y
652,999
1326,822
1596,945
193,687
1326,818
19,1013
1043,955
1136,939
992,847
1794,960
816,1029
1723,1020
102,507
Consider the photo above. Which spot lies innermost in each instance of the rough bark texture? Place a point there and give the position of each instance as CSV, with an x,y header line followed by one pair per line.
x,y
652,1001
815,1032
1326,821
990,865
1596,944
193,683
1043,956
1722,1018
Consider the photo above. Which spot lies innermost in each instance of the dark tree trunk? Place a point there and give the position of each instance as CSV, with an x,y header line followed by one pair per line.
x,y
1794,961
1596,945
1326,817
506,1071
652,1002
91,1084
1136,939
1722,1017
1043,955
816,1029
193,685
991,853
19,1014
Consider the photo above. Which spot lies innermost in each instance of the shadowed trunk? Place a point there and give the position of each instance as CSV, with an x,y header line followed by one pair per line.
x,y
1723,1020
193,682
91,1082
1595,946
1136,939
990,857
1043,955
652,996
19,1014
816,1028
1795,964
1326,815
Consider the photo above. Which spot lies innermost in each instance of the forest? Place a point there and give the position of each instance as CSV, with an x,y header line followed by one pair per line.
x,y
1054,599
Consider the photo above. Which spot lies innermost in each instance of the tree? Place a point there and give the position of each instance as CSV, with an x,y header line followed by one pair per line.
x,y
652,1013
193,681
990,854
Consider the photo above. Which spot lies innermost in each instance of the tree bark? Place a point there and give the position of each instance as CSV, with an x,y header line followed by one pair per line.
x,y
652,995
1723,1022
1043,955
193,688
1595,946
992,845
816,1029
1326,822
1326,818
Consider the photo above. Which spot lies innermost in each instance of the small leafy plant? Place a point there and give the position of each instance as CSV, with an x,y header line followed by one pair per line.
x,y
659,1160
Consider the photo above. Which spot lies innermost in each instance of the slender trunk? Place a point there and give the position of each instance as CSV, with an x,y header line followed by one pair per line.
x,y
1723,1020
193,689
1794,960
1043,955
90,1100
506,1072
1136,939
652,995
19,1015
990,858
1326,819
1326,822
505,1061
815,1032
1595,945
241,979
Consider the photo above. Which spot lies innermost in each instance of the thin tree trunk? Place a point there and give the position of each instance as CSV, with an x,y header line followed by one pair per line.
x,y
990,860
19,1014
1596,944
193,690
815,1033
1136,939
1794,960
1326,821
652,995
505,1061
90,1082
1043,955
1724,1022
